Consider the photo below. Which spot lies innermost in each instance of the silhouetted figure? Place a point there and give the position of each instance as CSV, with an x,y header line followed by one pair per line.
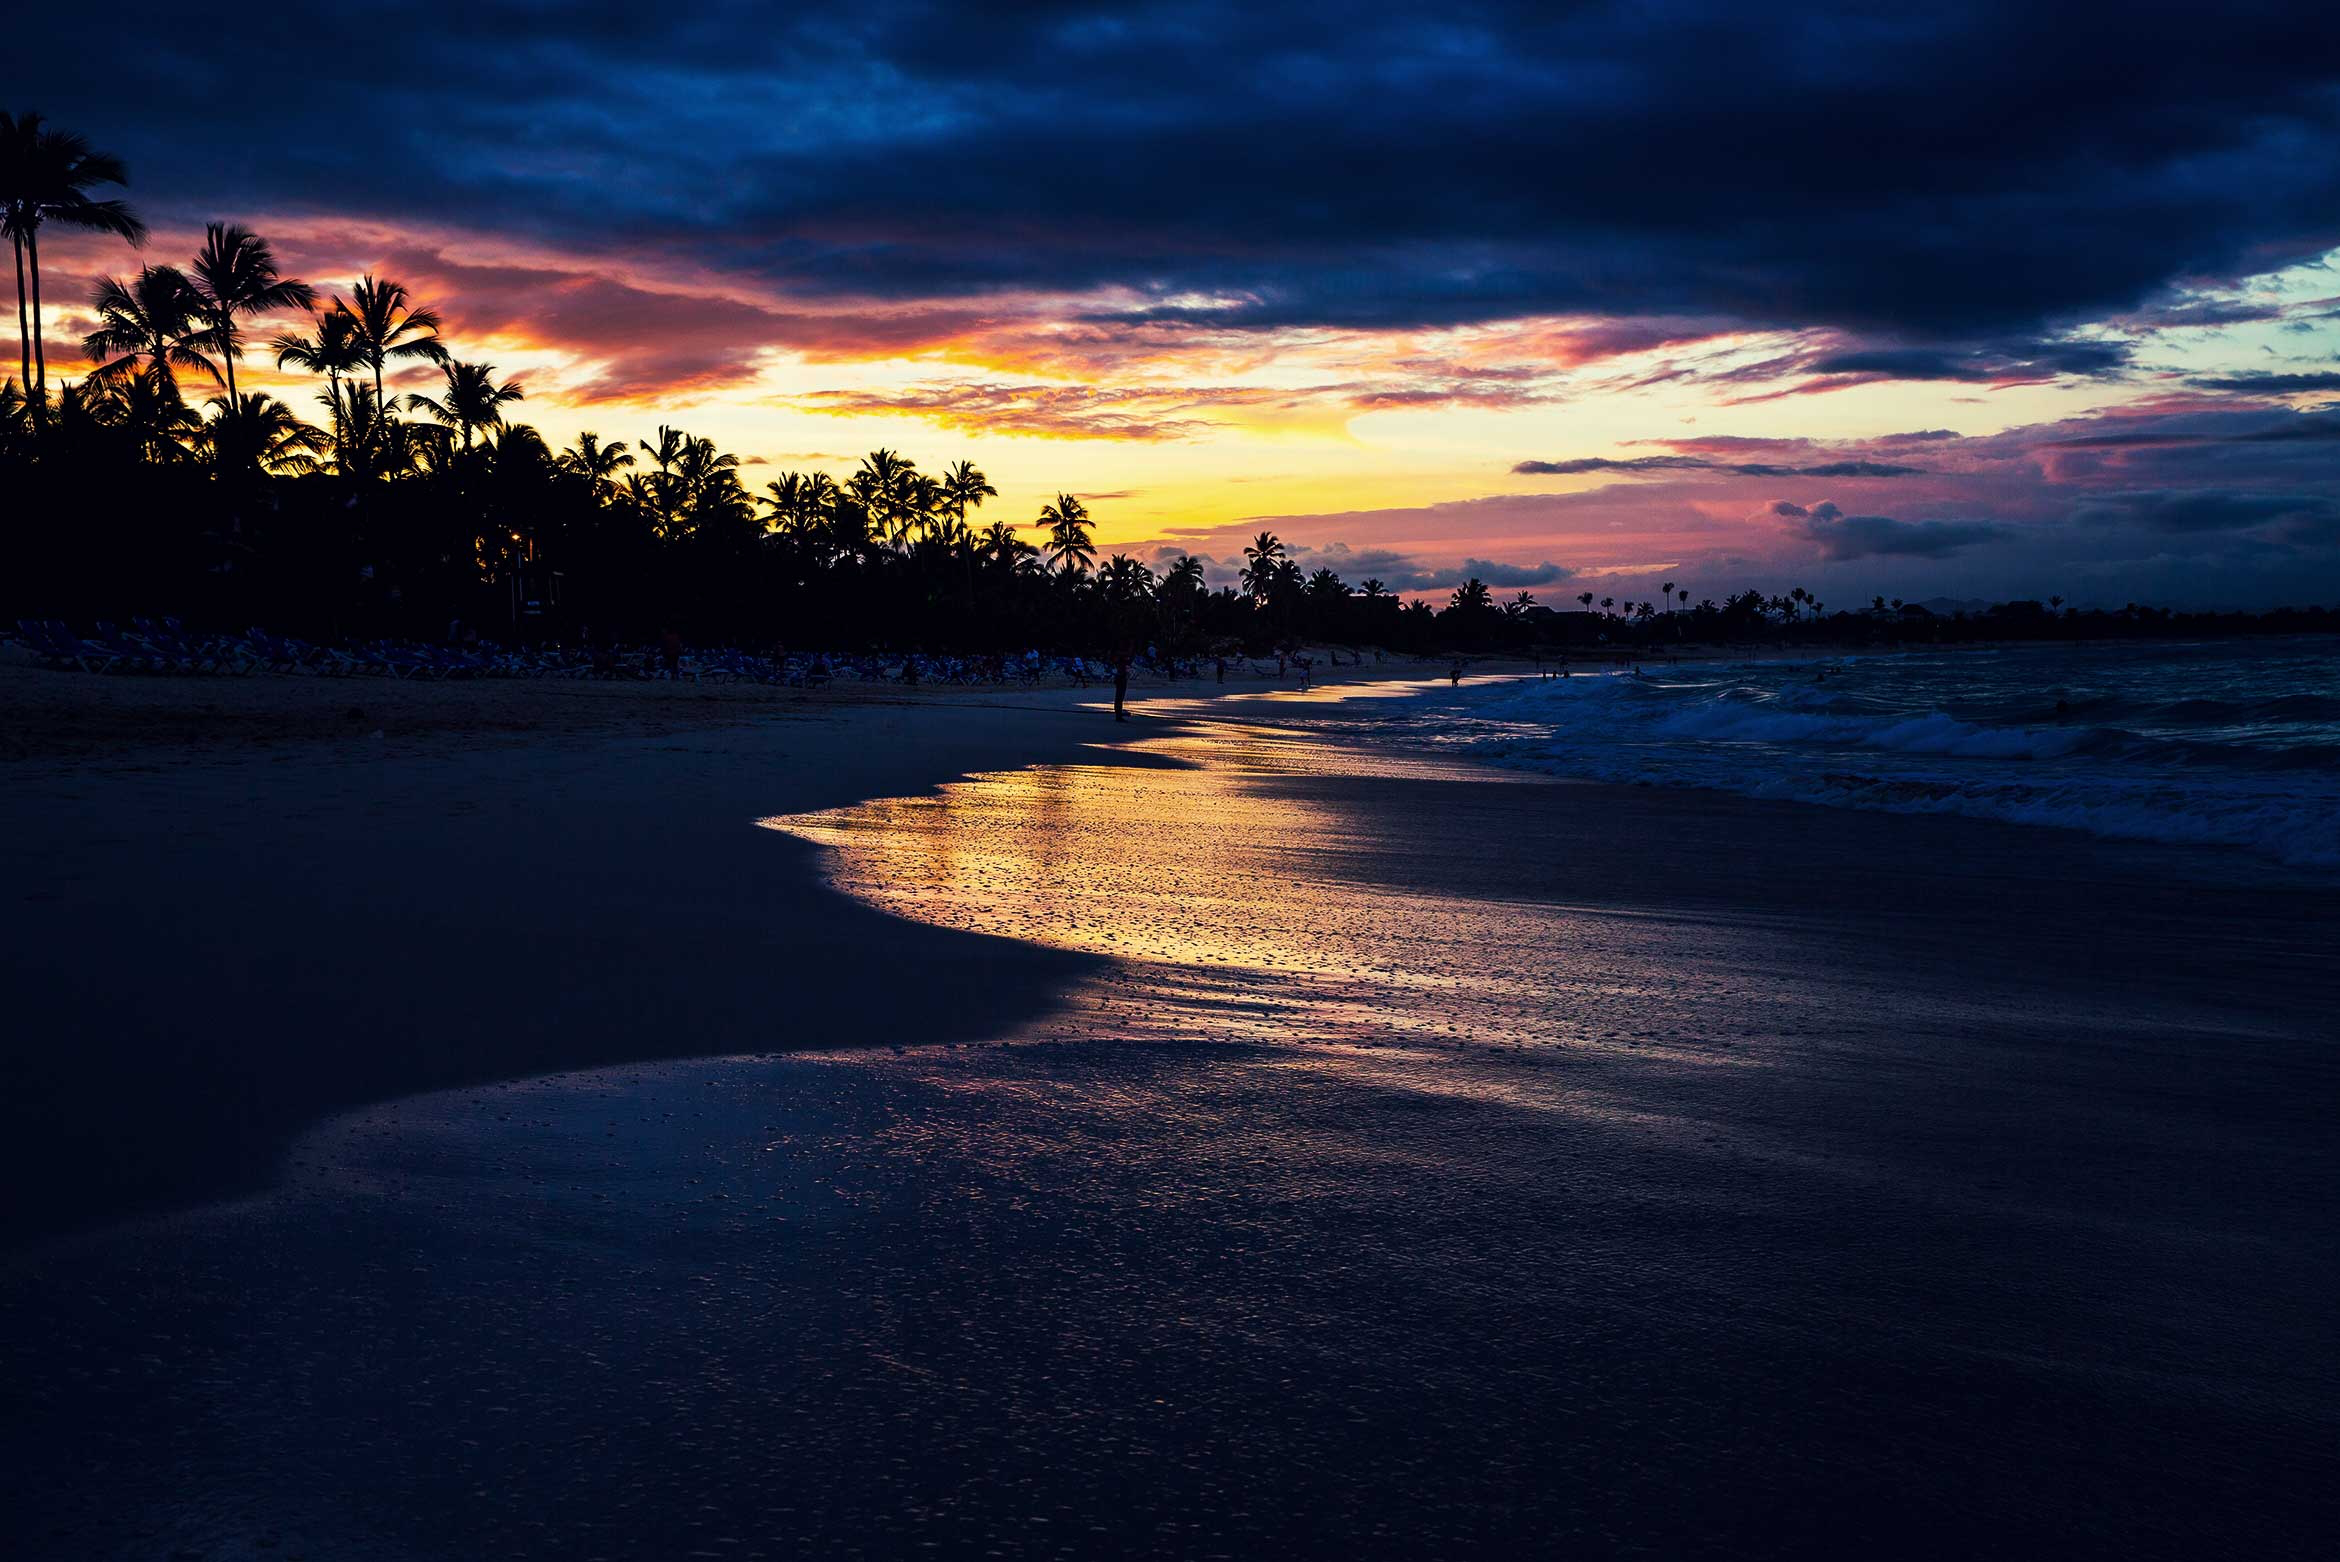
x,y
1120,689
670,652
1455,675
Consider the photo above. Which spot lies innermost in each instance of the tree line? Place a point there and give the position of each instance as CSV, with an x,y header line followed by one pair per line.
x,y
156,483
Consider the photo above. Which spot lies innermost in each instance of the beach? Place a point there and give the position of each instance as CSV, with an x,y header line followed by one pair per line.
x,y
961,1124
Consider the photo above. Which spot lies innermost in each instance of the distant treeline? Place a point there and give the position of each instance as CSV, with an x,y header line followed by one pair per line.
x,y
388,514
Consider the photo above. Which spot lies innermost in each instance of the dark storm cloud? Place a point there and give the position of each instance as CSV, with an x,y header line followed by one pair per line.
x,y
2271,384
1995,364
1497,573
1947,175
2300,516
1840,536
1583,464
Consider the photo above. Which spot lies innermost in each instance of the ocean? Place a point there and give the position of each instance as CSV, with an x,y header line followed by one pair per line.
x,y
2233,743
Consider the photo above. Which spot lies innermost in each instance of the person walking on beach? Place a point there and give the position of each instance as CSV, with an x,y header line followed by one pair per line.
x,y
1455,675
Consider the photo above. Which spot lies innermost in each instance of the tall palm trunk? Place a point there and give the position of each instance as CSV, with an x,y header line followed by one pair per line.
x,y
32,250
23,321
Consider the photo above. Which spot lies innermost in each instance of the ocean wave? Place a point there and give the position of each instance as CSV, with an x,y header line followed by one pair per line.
x,y
2180,751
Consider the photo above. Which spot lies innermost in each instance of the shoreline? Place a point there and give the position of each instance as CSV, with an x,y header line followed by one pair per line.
x,y
581,898
1431,1161
65,717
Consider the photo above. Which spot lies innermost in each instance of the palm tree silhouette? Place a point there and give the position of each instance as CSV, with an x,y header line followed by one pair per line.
x,y
1666,594
331,349
1262,559
145,407
964,488
385,324
1069,549
1472,596
45,177
598,464
886,483
152,320
367,440
1586,598
472,400
235,274
257,434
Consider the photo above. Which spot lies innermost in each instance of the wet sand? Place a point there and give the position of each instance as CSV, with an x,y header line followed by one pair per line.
x,y
1342,1155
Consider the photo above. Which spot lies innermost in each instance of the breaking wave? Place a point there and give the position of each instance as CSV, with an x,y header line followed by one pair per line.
x,y
2204,744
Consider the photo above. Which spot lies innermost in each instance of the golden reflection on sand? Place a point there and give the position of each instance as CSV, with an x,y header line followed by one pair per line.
x,y
1244,896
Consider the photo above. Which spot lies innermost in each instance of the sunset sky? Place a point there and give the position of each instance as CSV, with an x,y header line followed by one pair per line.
x,y
1989,301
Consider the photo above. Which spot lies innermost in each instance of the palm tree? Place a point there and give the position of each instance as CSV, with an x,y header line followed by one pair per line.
x,y
471,401
45,177
1262,557
234,275
1003,548
1519,606
1472,596
1069,548
964,488
1124,580
331,349
1666,595
385,324
1585,597
1607,603
368,440
256,433
598,464
144,405
891,488
152,321
707,494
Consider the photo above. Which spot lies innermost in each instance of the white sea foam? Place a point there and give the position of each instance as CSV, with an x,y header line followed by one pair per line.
x,y
2222,744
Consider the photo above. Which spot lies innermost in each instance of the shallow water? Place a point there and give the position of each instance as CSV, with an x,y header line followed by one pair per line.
x,y
2227,743
1445,1163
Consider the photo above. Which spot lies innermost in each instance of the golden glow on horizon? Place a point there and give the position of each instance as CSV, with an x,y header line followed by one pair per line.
x,y
1247,428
